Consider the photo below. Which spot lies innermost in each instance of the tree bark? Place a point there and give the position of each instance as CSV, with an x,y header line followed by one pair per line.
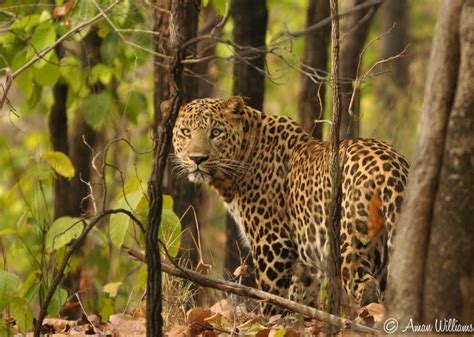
x,y
186,195
313,91
395,13
58,130
250,25
449,276
406,274
355,30
334,211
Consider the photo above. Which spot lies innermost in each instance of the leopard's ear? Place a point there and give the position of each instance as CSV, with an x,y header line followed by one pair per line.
x,y
234,104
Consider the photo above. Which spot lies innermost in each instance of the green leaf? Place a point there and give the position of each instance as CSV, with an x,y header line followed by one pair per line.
x,y
280,333
24,81
43,36
102,73
96,107
39,171
110,48
112,288
25,23
119,222
46,72
108,309
21,311
8,284
60,163
167,202
57,301
62,231
7,231
142,278
135,105
170,231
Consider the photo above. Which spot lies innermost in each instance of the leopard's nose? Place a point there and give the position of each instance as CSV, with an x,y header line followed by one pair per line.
x,y
198,159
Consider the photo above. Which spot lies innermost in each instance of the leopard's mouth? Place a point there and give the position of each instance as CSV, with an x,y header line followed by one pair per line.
x,y
199,176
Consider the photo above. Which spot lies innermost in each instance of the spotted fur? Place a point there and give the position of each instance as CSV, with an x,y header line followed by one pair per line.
x,y
274,179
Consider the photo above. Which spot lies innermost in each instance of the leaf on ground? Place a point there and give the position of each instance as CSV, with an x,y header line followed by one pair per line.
x,y
222,307
126,324
198,315
370,314
179,331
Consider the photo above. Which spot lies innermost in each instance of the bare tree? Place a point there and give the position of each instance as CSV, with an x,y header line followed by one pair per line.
x,y
432,271
312,95
355,30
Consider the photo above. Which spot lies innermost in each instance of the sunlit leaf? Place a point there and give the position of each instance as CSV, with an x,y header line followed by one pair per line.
x,y
8,284
170,231
43,36
60,163
112,288
108,309
62,231
119,222
21,311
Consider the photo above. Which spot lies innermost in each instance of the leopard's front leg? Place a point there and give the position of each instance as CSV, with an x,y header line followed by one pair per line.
x,y
274,258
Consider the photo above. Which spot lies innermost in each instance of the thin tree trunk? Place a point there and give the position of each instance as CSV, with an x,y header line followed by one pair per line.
x,y
356,28
406,274
58,130
449,275
334,211
250,25
313,91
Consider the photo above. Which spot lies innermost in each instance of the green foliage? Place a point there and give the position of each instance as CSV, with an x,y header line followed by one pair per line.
x,y
134,200
62,231
60,163
20,309
59,298
8,284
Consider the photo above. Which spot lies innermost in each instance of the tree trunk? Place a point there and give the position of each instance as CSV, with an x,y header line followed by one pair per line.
x,y
186,195
207,48
356,28
449,276
58,130
407,273
312,95
250,25
395,13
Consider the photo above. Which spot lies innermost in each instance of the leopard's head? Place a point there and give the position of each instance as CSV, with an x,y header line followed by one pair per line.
x,y
207,138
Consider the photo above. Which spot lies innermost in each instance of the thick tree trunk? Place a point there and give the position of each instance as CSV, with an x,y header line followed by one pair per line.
x,y
313,91
186,195
250,25
407,272
354,35
449,275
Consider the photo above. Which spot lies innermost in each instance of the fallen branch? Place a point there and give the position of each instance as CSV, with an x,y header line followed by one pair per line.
x,y
244,291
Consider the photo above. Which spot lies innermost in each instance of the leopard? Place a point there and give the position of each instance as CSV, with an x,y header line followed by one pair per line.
x,y
275,180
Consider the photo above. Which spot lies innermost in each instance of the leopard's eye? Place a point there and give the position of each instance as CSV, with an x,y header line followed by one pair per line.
x,y
215,133
186,132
